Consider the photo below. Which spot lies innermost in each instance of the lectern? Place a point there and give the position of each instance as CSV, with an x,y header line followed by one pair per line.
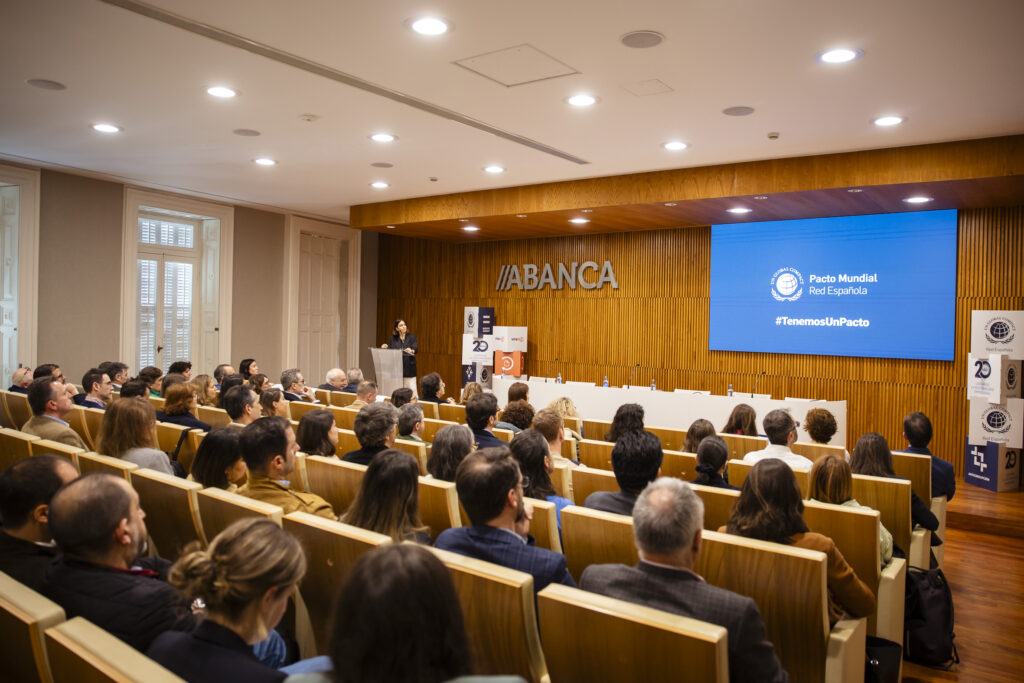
x,y
387,364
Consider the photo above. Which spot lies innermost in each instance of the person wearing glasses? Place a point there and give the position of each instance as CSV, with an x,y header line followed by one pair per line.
x,y
294,386
781,430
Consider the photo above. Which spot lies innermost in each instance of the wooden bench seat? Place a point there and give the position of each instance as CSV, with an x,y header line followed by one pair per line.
x,y
219,509
24,617
172,511
81,651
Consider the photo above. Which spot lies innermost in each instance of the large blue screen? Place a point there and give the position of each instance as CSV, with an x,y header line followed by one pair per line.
x,y
882,286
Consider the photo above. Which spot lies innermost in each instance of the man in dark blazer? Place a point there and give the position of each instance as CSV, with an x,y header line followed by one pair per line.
x,y
667,521
636,460
481,416
490,488
376,427
97,388
20,380
917,429
294,386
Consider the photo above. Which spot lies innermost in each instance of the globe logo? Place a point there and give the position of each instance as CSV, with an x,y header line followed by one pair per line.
x,y
1011,378
999,329
786,284
470,321
506,363
996,420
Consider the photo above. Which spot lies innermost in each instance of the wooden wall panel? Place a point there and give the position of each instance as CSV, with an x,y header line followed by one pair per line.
x,y
659,318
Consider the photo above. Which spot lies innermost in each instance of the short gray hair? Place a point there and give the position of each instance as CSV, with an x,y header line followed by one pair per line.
x,y
289,377
354,375
333,373
666,516
408,416
374,422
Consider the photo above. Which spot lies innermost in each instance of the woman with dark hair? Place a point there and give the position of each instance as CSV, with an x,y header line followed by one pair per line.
x,y
517,416
530,449
318,433
712,455
247,368
450,446
770,509
128,431
831,481
218,462
273,403
401,396
742,421
151,376
407,343
629,417
259,383
179,401
388,501
696,433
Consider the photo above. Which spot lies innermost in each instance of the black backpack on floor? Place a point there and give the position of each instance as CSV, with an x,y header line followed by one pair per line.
x,y
928,619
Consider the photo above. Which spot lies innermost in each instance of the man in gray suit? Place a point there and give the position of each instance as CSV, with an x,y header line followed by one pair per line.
x,y
667,521
50,403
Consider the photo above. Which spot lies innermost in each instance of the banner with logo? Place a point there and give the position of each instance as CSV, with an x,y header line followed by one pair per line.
x,y
477,349
999,423
478,321
993,466
509,363
999,332
509,338
987,378
476,372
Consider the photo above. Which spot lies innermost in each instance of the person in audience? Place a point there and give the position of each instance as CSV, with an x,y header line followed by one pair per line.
x,y
871,456
135,388
518,391
247,368
100,530
742,421
388,498
180,401
334,380
781,431
481,416
294,386
917,430
118,374
831,481
549,423
770,509
820,425
667,522
20,380
218,462
181,367
245,579
450,446
268,446
406,342
433,389
205,391
354,376
696,433
490,489
376,429
366,393
274,403
530,449
564,406
259,383
26,487
222,371
628,418
151,376
469,391
410,422
636,461
517,416
712,455
402,396
169,380
51,369
242,405
50,404
96,387
232,380
318,433
128,431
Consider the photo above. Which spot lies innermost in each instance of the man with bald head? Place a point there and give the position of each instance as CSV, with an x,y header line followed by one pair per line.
x,y
20,380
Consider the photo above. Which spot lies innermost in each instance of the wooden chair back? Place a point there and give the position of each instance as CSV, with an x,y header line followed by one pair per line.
x,y
93,424
717,505
14,445
570,450
439,505
855,533
323,396
671,439
417,449
332,549
738,471
596,537
94,462
172,510
299,477
432,426
596,454
500,617
813,451
741,445
595,429
891,497
587,480
431,412
157,402
219,509
574,423
345,418
56,448
5,417
578,627
77,421
188,455
83,652
452,412
17,407
334,480
215,417
680,465
503,434
544,525
347,442
300,408
342,398
918,469
561,481
24,617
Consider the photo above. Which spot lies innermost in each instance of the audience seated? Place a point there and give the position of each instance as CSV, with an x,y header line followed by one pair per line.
x,y
712,456
180,401
354,376
820,425
469,391
366,393
770,509
490,489
294,386
98,526
151,376
268,447
451,445
259,383
388,498
334,380
376,428
128,431
831,481
433,389
20,380
742,421
247,368
205,391
241,405
133,388
245,579
628,418
917,429
410,420
636,461
117,372
26,487
481,416
530,449
50,403
549,423
169,380
564,406
695,433
401,396
218,462
318,433
781,431
517,416
518,391
229,381
220,372
181,367
667,522
273,403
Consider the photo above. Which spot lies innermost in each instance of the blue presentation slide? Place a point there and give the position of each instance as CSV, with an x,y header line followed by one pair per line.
x,y
881,286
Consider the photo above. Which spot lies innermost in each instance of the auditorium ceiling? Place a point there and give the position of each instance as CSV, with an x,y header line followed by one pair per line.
x,y
316,78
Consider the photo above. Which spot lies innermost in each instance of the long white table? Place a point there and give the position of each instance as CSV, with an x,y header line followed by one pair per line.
x,y
675,409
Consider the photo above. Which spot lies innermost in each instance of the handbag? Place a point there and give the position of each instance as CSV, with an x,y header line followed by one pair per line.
x,y
882,660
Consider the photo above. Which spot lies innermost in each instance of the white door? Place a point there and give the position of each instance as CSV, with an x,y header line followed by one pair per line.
x,y
319,314
9,217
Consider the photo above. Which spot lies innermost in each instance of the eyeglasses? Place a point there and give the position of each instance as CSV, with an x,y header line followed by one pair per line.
x,y
526,481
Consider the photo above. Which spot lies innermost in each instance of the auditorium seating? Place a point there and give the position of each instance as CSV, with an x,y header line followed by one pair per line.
x,y
215,417
432,426
336,481
671,439
451,412
587,480
157,402
172,511
918,469
544,525
14,446
322,396
342,398
570,449
680,465
891,497
17,407
416,449
439,505
738,471
561,481
83,652
597,454
93,420
717,504
741,445
56,448
596,537
345,418
24,617
430,411
595,429
169,435
299,408
94,462
813,451
218,509
188,455
503,434
5,417
573,423
585,635
347,442
76,419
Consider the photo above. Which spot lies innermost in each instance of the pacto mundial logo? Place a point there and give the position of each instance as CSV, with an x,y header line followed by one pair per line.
x,y
787,284
1000,330
1011,378
470,321
996,421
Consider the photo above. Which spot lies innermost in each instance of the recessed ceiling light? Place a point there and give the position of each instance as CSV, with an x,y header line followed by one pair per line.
x,y
463,220
379,184
674,145
265,161
918,200
382,164
383,137
246,132
579,221
520,215
106,128
854,190
839,55
46,84
581,100
586,211
470,228
888,121
760,197
494,169
641,39
390,227
739,209
738,111
670,204
221,91
429,26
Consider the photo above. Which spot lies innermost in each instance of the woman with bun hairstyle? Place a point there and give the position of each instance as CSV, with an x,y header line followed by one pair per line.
x,y
712,454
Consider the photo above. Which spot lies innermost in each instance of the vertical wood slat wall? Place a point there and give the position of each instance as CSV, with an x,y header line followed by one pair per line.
x,y
659,318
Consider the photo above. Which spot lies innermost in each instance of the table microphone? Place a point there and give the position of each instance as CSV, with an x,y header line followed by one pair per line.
x,y
553,366
763,373
629,382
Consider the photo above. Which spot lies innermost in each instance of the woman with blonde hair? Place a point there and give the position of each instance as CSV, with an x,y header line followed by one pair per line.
x,y
388,500
128,431
205,390
245,579
831,481
564,406
471,390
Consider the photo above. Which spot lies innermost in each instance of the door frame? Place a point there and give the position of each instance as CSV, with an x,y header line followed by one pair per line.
x,y
28,258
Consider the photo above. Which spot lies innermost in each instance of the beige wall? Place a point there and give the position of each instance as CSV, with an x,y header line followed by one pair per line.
x,y
257,297
368,301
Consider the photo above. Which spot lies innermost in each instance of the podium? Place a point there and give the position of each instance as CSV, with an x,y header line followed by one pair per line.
x,y
387,365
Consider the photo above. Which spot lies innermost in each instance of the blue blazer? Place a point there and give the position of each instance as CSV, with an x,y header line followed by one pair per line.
x,y
486,439
501,547
943,475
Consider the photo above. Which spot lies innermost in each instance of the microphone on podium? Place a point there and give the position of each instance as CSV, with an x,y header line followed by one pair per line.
x,y
629,382
763,373
552,369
